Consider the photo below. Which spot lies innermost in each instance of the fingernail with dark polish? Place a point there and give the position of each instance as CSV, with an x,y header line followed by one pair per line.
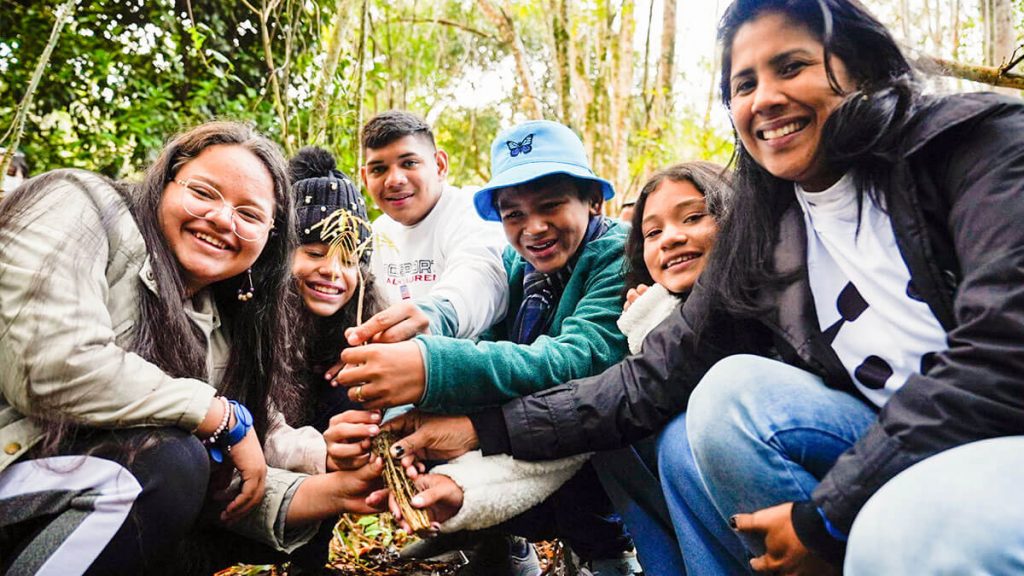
x,y
732,522
398,450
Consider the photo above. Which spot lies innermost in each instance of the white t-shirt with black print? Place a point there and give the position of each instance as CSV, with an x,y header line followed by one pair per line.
x,y
867,306
452,254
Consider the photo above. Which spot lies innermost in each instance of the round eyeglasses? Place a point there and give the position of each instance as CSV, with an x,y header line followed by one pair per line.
x,y
199,199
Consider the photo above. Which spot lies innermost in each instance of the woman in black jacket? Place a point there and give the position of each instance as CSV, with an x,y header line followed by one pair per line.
x,y
874,261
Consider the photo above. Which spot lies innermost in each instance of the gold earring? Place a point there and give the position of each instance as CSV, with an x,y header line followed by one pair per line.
x,y
245,294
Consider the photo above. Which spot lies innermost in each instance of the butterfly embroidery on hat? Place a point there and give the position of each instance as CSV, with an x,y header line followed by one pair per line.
x,y
517,148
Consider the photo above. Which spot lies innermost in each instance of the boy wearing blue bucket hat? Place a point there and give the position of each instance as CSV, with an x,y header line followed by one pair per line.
x,y
564,266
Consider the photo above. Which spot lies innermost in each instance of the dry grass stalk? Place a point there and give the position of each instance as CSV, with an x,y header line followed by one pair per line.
x,y
399,484
341,230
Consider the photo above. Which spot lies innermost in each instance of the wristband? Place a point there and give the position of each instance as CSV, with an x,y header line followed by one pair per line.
x,y
243,423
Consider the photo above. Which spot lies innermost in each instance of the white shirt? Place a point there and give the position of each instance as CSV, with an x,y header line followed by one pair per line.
x,y
451,254
882,331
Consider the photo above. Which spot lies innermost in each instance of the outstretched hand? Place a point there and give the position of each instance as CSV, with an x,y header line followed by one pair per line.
x,y
784,553
381,375
396,323
431,436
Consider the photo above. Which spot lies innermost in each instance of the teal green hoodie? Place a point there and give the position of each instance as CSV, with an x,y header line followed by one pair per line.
x,y
463,375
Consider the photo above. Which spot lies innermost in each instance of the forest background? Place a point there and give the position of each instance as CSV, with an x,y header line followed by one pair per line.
x,y
636,79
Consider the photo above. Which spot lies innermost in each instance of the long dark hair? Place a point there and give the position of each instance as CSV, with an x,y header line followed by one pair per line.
x,y
260,364
861,134
261,361
710,179
321,339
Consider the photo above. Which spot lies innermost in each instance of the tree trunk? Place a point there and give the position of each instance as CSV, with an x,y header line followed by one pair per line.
x,y
264,13
322,95
955,25
622,70
584,91
563,80
364,22
646,92
506,28
999,34
905,20
666,66
598,125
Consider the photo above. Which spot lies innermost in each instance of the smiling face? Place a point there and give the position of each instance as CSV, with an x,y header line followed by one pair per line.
x,y
206,248
325,284
405,178
546,222
678,234
781,97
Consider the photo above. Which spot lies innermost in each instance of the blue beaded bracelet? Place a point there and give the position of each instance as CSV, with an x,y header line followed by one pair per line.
x,y
243,423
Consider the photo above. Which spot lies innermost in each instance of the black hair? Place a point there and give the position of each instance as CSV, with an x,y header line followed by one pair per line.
x,y
584,189
710,179
261,362
386,127
321,339
860,134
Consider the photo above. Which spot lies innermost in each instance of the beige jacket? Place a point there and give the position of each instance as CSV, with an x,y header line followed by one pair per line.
x,y
62,333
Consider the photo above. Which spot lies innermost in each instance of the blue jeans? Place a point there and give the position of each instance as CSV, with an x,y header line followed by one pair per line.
x,y
764,433
707,544
629,476
958,512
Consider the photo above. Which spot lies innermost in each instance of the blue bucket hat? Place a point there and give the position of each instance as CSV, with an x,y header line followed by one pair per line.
x,y
532,150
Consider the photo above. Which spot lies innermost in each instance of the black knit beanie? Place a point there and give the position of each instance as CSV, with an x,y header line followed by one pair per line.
x,y
320,189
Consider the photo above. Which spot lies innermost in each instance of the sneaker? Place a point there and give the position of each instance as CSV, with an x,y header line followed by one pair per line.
x,y
499,555
625,564
522,558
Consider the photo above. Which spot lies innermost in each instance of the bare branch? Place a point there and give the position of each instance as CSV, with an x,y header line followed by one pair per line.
x,y
450,23
64,13
268,54
1014,59
321,98
506,27
991,75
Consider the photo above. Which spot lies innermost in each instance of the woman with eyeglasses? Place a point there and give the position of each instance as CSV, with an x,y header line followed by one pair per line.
x,y
144,356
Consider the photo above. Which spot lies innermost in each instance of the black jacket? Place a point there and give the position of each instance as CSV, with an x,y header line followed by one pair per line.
x,y
957,207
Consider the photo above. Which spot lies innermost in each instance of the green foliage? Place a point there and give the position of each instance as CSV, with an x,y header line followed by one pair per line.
x,y
127,74
124,76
